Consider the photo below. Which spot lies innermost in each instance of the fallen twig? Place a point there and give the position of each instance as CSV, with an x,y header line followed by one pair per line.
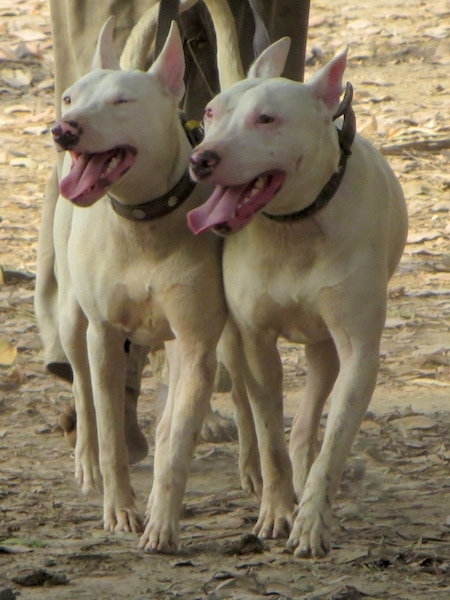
x,y
418,145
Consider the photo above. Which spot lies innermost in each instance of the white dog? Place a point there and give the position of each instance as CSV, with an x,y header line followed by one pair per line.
x,y
129,268
318,225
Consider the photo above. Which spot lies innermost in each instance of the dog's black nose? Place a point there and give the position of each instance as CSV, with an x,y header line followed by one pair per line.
x,y
203,163
66,134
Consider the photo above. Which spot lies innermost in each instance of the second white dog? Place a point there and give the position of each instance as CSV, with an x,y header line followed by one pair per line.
x,y
317,225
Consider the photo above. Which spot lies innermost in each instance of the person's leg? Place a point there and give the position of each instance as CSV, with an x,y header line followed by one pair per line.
x,y
290,17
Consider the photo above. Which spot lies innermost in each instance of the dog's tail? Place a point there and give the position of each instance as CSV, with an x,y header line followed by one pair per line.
x,y
229,64
142,37
138,47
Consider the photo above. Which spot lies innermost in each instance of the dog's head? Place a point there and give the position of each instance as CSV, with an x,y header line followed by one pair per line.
x,y
267,140
113,118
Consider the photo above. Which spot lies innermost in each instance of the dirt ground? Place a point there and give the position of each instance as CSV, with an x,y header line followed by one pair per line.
x,y
391,533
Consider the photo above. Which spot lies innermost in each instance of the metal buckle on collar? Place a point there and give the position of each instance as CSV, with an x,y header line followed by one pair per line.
x,y
193,129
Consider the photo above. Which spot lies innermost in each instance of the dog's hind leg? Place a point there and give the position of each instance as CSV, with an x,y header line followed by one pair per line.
x,y
216,427
46,293
230,352
323,368
135,439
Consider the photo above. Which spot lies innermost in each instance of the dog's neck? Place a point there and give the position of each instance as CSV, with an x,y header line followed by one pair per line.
x,y
171,200
157,207
346,136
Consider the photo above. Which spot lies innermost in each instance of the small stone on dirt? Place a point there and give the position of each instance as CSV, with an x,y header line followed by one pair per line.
x,y
247,544
41,577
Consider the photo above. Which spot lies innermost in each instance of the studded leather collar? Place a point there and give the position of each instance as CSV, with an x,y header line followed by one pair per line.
x,y
168,202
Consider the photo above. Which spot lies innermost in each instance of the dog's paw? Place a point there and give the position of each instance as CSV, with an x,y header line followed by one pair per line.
x,y
159,537
122,519
217,428
275,516
310,536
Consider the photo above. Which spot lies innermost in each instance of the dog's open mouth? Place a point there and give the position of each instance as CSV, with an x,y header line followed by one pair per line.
x,y
230,208
92,174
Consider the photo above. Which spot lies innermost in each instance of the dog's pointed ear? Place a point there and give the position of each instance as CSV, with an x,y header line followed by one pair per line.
x,y
272,61
169,67
105,56
326,85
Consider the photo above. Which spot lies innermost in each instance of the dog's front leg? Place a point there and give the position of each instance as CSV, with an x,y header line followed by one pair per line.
x,y
264,383
177,434
162,437
72,332
358,356
108,371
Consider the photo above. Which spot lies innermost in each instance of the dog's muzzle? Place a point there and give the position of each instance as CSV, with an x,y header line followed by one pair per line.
x,y
66,134
203,163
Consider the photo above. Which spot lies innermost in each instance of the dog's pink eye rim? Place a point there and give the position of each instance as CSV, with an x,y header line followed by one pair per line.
x,y
265,119
208,112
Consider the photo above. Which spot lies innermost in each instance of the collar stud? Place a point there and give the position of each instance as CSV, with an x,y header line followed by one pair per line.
x,y
138,214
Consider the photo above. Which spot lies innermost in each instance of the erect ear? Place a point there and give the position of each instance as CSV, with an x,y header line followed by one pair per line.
x,y
326,84
105,55
169,67
272,61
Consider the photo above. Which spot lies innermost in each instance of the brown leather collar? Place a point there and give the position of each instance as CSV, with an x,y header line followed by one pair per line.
x,y
165,204
346,136
159,207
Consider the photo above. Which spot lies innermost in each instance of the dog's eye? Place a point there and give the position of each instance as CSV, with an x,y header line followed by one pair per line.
x,y
67,100
208,112
265,119
121,101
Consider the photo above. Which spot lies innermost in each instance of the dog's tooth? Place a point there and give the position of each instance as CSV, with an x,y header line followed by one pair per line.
x,y
112,164
257,186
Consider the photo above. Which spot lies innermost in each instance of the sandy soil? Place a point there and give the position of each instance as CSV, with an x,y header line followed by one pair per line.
x,y
391,530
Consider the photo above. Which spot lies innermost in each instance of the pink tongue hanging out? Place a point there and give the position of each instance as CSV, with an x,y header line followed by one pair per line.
x,y
91,174
230,208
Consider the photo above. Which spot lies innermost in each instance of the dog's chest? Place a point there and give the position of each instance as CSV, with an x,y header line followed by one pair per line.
x,y
136,308
129,294
277,293
289,304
